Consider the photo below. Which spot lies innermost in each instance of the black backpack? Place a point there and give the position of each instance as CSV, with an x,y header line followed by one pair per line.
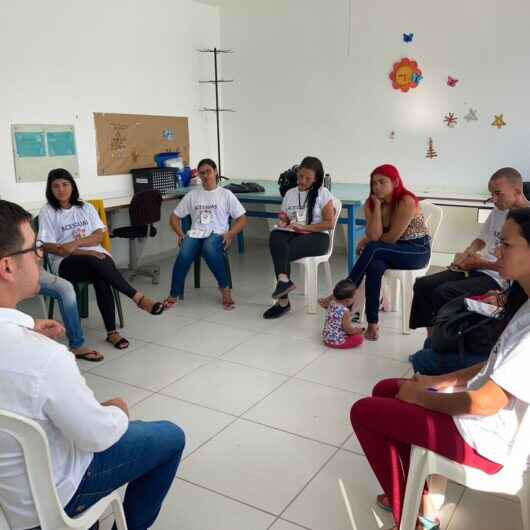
x,y
458,330
288,180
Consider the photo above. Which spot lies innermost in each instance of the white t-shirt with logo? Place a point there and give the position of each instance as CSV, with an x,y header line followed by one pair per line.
x,y
508,365
210,211
491,235
295,205
64,226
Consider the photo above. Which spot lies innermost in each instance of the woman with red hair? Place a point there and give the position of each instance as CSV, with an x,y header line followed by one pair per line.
x,y
396,238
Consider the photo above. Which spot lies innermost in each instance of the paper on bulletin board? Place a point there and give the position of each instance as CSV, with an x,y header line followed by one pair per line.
x,y
37,149
130,141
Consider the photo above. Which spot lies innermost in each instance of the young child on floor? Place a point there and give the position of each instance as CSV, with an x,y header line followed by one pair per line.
x,y
338,331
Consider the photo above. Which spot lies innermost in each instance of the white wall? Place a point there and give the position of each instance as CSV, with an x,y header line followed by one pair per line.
x,y
61,61
309,82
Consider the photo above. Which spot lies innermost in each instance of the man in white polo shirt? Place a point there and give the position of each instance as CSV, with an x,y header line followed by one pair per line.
x,y
94,448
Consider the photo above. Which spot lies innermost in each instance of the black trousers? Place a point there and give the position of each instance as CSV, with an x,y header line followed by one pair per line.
x,y
288,246
433,291
102,273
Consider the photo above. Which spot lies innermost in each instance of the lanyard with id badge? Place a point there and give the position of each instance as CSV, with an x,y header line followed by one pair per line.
x,y
301,211
203,230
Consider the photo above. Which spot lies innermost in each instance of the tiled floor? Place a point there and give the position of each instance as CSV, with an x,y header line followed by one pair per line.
x,y
265,407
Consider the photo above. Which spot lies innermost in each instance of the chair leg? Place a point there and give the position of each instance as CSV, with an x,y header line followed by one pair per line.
x,y
51,307
407,280
414,490
82,300
43,307
312,287
307,279
119,514
437,487
119,308
329,279
524,497
197,272
228,272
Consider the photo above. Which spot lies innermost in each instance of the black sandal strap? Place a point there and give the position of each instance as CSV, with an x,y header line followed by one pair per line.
x,y
157,308
122,344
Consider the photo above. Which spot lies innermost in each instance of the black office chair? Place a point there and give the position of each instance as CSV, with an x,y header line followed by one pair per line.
x,y
144,211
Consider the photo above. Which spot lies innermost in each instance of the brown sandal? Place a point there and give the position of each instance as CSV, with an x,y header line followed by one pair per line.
x,y
92,356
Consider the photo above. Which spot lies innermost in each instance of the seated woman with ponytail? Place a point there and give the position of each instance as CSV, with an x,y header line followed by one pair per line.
x,y
396,238
303,229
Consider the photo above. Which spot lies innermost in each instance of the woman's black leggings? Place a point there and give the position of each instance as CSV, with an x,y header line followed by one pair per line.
x,y
103,274
288,246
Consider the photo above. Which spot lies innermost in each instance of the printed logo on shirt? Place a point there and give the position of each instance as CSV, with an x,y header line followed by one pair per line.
x,y
205,206
71,226
78,233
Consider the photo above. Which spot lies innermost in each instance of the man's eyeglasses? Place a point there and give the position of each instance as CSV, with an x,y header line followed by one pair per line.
x,y
38,248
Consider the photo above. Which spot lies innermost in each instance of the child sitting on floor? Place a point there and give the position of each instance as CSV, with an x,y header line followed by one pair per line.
x,y
338,331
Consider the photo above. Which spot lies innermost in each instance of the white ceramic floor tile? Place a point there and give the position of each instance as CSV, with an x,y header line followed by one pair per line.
x,y
151,367
284,525
207,338
276,353
322,505
188,507
301,325
225,386
246,316
353,445
313,410
258,465
482,511
198,423
394,345
105,389
350,370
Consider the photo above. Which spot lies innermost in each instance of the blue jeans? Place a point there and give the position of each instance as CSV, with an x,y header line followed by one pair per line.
x,y
63,291
428,362
212,250
146,457
377,257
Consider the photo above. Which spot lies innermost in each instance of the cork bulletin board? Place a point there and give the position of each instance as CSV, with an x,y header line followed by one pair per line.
x,y
130,141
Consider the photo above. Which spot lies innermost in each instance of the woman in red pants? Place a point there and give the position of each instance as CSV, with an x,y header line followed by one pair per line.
x,y
475,426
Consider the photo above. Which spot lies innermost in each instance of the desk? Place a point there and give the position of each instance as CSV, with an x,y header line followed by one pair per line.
x,y
352,196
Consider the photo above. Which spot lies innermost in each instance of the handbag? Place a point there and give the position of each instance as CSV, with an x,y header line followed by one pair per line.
x,y
245,187
457,329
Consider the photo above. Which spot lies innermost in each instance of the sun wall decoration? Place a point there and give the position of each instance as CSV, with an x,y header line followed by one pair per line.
x,y
405,75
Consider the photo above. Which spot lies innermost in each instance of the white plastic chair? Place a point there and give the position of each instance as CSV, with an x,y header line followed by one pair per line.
x,y
402,281
34,443
512,479
311,264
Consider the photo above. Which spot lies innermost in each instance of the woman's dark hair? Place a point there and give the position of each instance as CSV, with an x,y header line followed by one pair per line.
x,y
516,295
315,165
208,162
343,290
62,174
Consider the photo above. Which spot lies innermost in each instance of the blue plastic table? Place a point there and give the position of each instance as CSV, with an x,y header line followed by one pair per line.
x,y
352,197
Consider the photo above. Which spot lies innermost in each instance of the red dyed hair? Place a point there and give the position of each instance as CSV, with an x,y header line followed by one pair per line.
x,y
392,173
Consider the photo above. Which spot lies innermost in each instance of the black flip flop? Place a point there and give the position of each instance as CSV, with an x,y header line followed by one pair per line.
x,y
122,344
90,356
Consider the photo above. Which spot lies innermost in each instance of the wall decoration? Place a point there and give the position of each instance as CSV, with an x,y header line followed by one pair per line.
x,y
431,153
498,121
471,115
451,81
407,37
451,120
392,135
405,75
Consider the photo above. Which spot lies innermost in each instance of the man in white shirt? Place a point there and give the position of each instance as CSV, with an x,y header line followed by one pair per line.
x,y
94,449
475,270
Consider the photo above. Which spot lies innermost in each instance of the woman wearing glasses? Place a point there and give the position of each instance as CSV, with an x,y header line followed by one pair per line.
x,y
72,233
303,229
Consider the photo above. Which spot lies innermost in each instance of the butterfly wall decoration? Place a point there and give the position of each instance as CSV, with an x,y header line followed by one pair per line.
x,y
407,37
451,81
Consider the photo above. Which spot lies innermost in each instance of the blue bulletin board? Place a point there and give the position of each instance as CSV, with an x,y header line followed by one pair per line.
x,y
37,149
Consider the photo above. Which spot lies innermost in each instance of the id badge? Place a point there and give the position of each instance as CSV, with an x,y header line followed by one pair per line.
x,y
301,216
206,217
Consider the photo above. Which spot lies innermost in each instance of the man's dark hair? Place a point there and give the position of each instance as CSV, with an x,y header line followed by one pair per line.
x,y
11,217
61,174
343,290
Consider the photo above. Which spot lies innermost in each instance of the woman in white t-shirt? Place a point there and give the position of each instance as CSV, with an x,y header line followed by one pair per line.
x,y
475,426
210,209
72,232
303,227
